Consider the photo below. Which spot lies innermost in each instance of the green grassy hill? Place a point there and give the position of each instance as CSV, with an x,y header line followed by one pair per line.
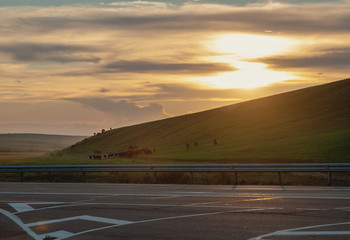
x,y
307,125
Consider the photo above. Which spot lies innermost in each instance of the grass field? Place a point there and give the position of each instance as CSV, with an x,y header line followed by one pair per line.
x,y
307,125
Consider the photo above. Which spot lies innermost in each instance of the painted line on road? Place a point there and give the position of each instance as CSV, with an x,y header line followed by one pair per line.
x,y
20,224
260,199
83,217
58,235
21,207
171,218
115,223
311,233
313,209
59,206
230,195
25,206
204,214
140,204
31,202
343,208
297,232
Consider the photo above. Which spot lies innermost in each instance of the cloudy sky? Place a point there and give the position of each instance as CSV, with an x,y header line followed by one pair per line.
x,y
77,66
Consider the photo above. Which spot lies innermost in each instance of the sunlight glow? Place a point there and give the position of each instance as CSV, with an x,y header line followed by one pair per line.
x,y
250,75
252,46
243,51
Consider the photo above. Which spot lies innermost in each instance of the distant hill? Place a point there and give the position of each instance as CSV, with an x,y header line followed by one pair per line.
x,y
311,124
35,142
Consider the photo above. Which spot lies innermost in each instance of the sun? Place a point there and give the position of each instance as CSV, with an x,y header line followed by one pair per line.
x,y
249,75
243,51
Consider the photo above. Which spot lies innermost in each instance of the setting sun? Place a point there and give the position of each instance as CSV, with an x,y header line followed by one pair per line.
x,y
249,75
241,51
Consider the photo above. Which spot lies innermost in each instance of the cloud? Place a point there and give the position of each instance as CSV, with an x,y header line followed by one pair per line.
x,y
140,4
43,52
104,90
189,92
185,92
333,58
157,67
124,110
306,18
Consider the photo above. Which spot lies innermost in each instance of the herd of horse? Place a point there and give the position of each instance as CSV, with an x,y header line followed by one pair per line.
x,y
195,143
131,152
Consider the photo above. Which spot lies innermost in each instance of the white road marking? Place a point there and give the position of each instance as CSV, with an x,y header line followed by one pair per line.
x,y
105,220
20,224
311,233
118,223
24,207
114,222
343,208
84,217
297,232
184,194
170,218
59,234
21,207
59,206
204,214
312,209
29,202
194,205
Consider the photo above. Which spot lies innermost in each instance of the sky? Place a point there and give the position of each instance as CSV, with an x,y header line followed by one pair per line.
x,y
75,67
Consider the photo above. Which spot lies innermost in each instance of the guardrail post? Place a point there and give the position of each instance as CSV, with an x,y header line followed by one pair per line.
x,y
279,178
191,177
50,177
21,177
329,178
155,177
83,177
235,178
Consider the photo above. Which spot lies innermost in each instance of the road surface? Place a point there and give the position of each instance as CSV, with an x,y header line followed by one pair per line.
x,y
137,211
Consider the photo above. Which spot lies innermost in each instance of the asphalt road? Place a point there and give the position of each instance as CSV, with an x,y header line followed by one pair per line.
x,y
134,211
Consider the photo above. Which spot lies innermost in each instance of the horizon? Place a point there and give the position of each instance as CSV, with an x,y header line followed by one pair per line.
x,y
76,67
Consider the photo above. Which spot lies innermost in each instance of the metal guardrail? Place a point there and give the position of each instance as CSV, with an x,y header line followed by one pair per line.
x,y
192,168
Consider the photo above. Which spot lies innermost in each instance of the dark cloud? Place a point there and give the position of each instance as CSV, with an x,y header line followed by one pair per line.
x,y
335,58
184,92
153,68
124,110
37,52
104,90
178,68
290,19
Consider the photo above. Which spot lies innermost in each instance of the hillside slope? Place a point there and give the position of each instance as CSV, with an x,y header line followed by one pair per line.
x,y
311,124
